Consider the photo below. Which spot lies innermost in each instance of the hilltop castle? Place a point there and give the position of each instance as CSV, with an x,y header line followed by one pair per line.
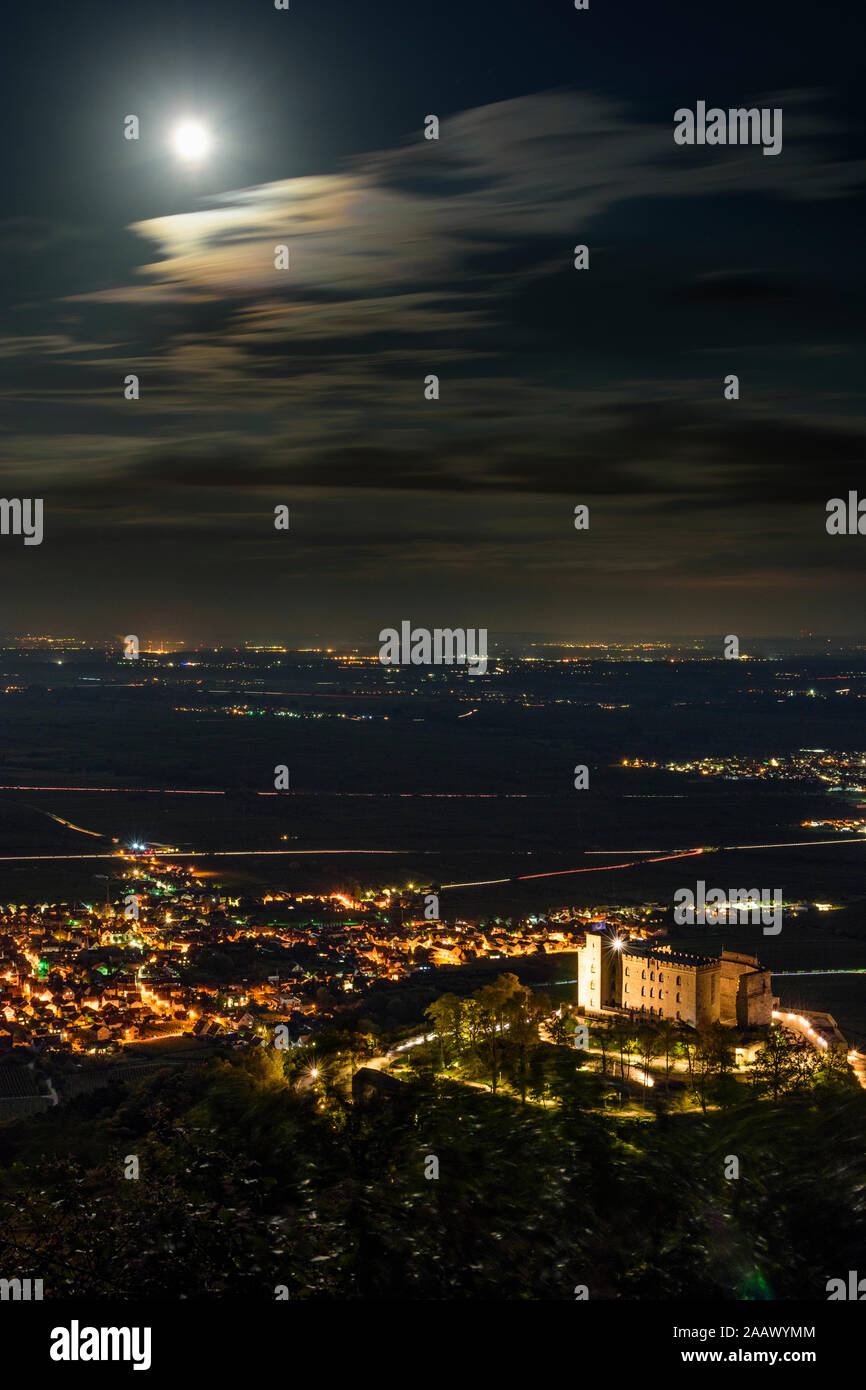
x,y
729,988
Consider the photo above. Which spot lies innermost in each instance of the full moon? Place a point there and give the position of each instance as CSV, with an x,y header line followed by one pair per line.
x,y
191,141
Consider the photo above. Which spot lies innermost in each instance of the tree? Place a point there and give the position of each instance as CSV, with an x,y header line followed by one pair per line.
x,y
623,1033
832,1068
561,1028
781,1064
599,1036
647,1049
573,1087
669,1044
537,1078
710,1056
491,1001
447,1014
522,1013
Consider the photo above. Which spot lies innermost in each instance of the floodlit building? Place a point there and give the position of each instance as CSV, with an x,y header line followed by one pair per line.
x,y
729,988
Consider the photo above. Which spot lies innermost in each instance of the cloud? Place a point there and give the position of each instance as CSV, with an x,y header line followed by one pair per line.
x,y
454,257
535,167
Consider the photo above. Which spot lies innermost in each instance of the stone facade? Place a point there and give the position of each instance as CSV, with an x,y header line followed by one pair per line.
x,y
755,1000
730,988
592,988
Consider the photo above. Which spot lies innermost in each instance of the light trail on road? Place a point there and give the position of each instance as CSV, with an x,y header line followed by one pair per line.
x,y
138,791
841,970
258,853
659,857
97,834
27,858
472,883
720,849
801,844
560,873
204,854
603,868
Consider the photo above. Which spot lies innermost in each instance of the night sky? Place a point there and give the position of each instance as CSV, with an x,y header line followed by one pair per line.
x,y
305,387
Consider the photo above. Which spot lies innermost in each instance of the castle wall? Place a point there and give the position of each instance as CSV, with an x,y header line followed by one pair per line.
x,y
694,989
680,990
707,995
734,965
589,974
755,999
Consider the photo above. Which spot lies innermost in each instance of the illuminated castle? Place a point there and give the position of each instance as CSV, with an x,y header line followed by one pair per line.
x,y
615,973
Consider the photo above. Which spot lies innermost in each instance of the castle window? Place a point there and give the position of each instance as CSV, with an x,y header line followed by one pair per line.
x,y
652,993
627,988
627,971
643,974
678,1012
661,977
652,974
678,1000
643,989
661,992
679,981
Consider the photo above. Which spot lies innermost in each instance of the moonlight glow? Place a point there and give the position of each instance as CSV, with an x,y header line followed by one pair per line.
x,y
191,141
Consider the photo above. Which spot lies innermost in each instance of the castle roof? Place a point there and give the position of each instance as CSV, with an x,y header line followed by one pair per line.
x,y
664,957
